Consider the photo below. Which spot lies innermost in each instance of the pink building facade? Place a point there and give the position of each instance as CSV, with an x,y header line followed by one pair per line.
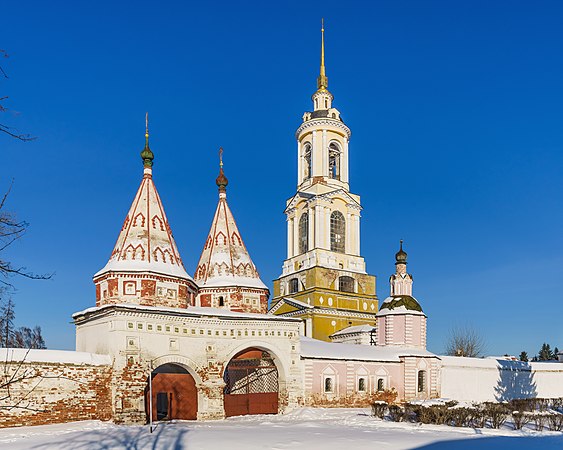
x,y
394,358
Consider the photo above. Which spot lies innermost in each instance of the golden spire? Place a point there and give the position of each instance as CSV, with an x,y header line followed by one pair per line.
x,y
322,80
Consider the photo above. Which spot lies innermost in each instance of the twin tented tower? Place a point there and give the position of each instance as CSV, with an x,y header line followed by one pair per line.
x,y
324,279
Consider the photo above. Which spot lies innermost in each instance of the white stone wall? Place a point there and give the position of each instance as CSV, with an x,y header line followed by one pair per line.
x,y
477,379
202,340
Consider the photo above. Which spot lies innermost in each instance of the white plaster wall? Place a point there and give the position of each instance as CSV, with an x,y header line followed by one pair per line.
x,y
475,379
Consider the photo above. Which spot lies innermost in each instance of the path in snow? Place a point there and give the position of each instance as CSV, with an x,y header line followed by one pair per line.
x,y
326,429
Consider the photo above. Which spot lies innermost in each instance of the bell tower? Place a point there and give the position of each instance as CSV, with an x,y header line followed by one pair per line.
x,y
324,278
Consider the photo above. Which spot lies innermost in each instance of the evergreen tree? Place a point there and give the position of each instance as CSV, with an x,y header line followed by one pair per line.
x,y
555,351
524,356
7,315
545,353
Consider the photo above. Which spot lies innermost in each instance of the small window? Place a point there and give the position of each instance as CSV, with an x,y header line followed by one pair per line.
x,y
329,385
171,293
361,384
293,285
149,327
140,326
380,384
346,284
130,325
421,380
221,301
160,292
159,328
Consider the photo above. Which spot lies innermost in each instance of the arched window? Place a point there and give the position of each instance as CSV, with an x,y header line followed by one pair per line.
x,y
303,233
421,380
328,384
346,284
306,161
380,384
334,161
293,285
337,232
361,384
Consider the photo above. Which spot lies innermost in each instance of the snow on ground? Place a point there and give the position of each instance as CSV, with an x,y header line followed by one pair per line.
x,y
307,428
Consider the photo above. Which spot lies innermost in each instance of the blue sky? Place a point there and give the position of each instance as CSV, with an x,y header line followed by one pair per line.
x,y
456,111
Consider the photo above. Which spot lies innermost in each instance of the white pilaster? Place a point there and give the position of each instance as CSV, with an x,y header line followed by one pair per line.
x,y
324,154
314,162
311,230
290,237
299,164
348,238
357,249
318,223
344,161
295,236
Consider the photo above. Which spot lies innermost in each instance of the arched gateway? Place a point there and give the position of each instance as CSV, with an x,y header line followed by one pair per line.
x,y
251,384
174,394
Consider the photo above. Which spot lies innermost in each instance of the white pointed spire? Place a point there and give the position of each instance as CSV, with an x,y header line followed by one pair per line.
x,y
145,245
225,261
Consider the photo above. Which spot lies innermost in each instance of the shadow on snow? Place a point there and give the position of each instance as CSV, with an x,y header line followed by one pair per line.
x,y
499,442
165,436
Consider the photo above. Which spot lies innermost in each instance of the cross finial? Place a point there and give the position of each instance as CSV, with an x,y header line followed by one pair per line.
x,y
147,128
221,157
322,80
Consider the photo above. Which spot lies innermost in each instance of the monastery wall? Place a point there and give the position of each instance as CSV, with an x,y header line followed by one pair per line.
x,y
39,387
488,379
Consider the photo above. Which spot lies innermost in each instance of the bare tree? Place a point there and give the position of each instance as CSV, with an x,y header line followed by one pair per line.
x,y
465,341
3,109
12,229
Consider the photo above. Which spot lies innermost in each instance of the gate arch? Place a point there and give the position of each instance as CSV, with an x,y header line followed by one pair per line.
x,y
174,393
251,383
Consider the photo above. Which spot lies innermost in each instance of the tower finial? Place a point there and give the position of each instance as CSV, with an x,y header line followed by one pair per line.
x,y
401,255
322,80
147,155
221,180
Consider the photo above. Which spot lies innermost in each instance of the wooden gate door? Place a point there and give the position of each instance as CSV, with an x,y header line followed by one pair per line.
x,y
251,384
174,396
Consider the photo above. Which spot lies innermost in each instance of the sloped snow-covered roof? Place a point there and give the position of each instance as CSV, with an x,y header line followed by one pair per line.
x,y
354,329
225,261
192,311
53,356
145,242
313,348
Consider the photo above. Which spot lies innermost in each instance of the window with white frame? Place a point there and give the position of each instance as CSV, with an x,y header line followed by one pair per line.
x,y
380,384
362,384
329,384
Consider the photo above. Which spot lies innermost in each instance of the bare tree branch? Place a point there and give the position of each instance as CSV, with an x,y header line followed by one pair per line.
x,y
465,341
